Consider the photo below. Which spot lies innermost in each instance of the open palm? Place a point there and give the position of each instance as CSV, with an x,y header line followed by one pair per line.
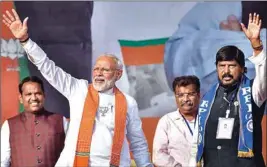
x,y
254,26
18,29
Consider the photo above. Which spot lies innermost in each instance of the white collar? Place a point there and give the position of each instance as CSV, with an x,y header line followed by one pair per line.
x,y
108,92
178,116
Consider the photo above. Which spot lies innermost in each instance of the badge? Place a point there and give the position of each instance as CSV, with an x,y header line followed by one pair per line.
x,y
236,103
225,128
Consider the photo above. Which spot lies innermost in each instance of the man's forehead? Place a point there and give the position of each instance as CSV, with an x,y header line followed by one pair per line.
x,y
105,60
190,87
228,62
31,86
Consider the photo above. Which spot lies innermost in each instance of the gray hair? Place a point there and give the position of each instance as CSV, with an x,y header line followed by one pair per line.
x,y
119,65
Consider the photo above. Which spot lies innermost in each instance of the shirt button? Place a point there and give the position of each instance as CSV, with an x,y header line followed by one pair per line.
x,y
39,161
219,147
38,134
36,122
38,147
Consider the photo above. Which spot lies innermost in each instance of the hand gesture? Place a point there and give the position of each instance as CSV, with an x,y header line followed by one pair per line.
x,y
18,29
254,26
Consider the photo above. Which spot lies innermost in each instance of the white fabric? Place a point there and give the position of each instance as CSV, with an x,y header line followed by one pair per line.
x,y
5,145
172,141
75,90
192,124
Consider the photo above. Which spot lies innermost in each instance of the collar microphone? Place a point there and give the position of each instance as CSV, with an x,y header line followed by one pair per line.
x,y
224,97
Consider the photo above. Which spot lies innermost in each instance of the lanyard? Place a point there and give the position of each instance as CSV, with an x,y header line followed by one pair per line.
x,y
229,102
188,126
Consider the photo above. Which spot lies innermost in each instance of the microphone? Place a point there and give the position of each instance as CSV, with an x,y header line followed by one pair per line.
x,y
224,97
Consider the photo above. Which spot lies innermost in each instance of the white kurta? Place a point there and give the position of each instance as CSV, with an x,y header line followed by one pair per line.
x,y
75,90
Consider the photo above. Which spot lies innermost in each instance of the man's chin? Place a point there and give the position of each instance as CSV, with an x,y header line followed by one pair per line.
x,y
35,110
227,83
187,110
98,88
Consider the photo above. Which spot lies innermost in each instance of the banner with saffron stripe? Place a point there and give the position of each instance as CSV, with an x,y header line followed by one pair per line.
x,y
145,70
13,69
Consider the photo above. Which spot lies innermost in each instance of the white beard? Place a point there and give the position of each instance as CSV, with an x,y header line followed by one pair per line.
x,y
108,84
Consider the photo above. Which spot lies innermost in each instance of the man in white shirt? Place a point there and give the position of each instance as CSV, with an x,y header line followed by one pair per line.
x,y
36,136
174,133
99,129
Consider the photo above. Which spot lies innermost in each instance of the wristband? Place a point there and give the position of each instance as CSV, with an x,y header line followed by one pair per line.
x,y
25,40
260,47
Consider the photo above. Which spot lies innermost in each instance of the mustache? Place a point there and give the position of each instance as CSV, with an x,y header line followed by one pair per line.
x,y
99,78
187,103
35,101
227,75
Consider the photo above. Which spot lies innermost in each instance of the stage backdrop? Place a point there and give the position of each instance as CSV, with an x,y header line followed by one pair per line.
x,y
156,41
13,69
158,46
65,39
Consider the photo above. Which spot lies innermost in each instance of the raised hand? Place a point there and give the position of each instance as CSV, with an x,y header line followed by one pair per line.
x,y
254,26
18,29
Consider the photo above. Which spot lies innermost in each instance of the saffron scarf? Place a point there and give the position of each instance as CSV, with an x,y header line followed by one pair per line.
x,y
82,156
245,143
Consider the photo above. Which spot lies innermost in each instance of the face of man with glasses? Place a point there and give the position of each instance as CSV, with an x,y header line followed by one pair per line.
x,y
187,98
105,73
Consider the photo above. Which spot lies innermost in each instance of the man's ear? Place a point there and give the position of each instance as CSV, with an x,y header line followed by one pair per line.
x,y
199,95
119,74
20,98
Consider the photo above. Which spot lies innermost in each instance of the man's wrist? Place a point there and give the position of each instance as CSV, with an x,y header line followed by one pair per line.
x,y
256,44
24,39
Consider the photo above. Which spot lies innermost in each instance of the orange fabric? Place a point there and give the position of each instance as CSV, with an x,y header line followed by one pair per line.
x,y
149,126
143,55
87,124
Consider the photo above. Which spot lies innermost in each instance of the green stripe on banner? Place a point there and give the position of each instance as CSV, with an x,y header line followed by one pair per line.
x,y
23,72
150,42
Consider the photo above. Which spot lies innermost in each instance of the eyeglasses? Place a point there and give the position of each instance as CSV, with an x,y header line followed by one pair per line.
x,y
103,70
190,94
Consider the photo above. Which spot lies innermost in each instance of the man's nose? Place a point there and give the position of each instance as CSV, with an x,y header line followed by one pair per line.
x,y
33,97
99,72
226,69
185,97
